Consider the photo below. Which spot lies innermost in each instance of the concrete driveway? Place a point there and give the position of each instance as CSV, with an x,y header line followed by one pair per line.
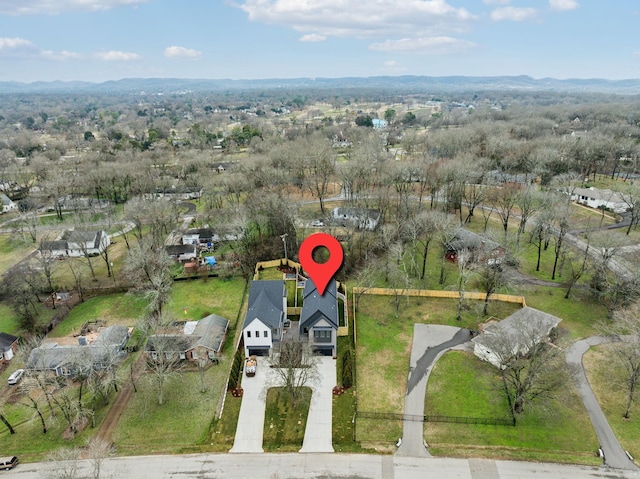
x,y
317,435
251,419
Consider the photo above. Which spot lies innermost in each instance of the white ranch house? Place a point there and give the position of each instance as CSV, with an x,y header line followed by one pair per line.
x,y
596,198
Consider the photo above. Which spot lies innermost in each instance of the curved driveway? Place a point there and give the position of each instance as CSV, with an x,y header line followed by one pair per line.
x,y
429,342
613,451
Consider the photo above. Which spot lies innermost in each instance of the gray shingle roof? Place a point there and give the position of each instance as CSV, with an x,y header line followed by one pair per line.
x,y
265,302
209,332
316,306
522,327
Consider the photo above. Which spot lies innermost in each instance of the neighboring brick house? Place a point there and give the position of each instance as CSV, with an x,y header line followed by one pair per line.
x,y
8,347
319,318
194,340
264,322
480,248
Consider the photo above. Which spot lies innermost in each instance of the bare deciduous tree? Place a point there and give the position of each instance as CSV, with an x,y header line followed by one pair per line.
x,y
626,326
295,367
530,368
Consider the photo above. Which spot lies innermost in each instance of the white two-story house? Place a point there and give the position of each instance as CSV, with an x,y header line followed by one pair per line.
x,y
266,313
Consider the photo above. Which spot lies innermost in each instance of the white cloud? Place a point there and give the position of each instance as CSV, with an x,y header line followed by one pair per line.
x,y
563,5
181,52
10,47
114,56
440,45
313,37
514,13
61,55
393,66
355,18
21,48
496,2
636,54
52,7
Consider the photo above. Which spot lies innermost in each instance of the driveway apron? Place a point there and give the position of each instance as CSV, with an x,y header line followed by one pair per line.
x,y
317,435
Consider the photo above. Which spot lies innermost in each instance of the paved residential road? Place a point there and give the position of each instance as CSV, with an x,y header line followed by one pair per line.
x,y
320,466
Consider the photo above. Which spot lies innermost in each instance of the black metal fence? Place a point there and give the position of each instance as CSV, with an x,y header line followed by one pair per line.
x,y
486,421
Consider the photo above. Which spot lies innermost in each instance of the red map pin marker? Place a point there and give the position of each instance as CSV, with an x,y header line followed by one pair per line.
x,y
321,273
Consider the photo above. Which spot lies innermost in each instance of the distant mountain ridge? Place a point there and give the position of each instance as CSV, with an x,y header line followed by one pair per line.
x,y
407,82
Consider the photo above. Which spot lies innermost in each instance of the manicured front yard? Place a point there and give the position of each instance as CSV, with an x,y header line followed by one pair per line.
x,y
285,422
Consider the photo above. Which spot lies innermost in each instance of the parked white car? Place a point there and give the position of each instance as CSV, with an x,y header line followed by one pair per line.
x,y
15,377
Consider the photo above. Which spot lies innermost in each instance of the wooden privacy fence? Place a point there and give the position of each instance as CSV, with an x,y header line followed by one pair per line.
x,y
431,293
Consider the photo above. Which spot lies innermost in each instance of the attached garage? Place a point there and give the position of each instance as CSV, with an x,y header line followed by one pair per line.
x,y
259,351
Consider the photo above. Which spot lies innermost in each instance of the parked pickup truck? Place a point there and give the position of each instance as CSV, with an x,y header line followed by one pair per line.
x,y
250,366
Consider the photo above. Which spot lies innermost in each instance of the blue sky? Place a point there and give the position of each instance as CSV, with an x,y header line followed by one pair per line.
x,y
100,40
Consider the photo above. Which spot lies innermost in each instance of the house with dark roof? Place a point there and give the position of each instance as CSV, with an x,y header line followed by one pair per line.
x,y
74,243
264,322
513,336
194,340
182,252
65,360
477,248
319,318
8,347
198,236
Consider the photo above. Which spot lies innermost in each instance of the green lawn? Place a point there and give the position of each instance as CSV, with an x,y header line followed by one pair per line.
x,y
9,322
181,424
284,422
223,430
558,430
12,250
579,313
605,376
206,296
123,309
384,348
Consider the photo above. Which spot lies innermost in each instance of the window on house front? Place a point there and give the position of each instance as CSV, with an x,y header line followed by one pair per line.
x,y
257,334
248,334
322,336
266,334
